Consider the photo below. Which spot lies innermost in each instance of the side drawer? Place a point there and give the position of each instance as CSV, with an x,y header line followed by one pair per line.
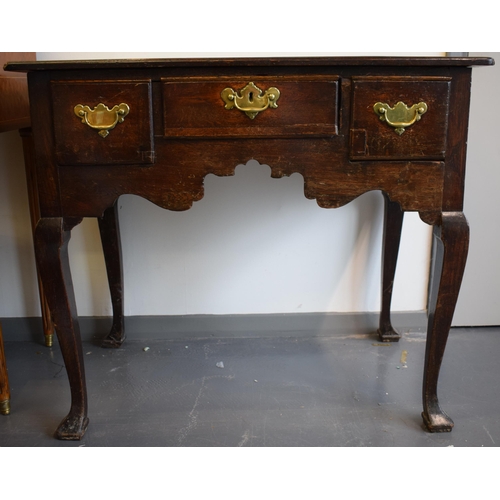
x,y
399,118
102,122
303,106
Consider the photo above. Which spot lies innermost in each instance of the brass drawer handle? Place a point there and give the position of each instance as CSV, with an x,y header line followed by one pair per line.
x,y
101,117
400,116
250,99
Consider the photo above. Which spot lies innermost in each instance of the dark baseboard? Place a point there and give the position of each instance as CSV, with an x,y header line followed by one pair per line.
x,y
224,326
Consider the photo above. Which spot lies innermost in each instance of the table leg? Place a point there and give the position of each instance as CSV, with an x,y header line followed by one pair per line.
x,y
393,223
449,264
34,207
4,381
52,236
111,245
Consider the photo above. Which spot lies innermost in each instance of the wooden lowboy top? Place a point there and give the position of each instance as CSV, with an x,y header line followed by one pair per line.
x,y
248,61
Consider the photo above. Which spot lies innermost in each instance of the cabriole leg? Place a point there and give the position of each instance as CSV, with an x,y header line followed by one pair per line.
x,y
111,245
393,223
452,237
52,236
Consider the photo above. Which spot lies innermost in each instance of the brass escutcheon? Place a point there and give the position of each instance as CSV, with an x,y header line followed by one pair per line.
x,y
250,99
101,117
400,116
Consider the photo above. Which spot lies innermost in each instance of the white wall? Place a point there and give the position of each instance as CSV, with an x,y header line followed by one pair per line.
x,y
253,244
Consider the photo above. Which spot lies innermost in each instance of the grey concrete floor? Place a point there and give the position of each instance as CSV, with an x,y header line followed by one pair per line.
x,y
275,391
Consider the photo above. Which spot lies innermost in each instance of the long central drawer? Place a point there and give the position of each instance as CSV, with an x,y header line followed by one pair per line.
x,y
305,106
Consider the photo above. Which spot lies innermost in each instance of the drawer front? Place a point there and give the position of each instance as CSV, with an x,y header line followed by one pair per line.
x,y
259,107
399,118
102,123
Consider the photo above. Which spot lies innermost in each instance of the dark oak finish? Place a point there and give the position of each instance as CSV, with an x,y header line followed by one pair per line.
x,y
452,236
131,142
178,131
192,108
381,143
52,236
111,244
393,225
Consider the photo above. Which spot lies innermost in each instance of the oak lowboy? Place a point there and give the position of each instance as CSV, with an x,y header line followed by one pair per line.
x,y
156,128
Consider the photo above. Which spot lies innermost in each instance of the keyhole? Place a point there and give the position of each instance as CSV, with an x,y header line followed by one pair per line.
x,y
250,96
